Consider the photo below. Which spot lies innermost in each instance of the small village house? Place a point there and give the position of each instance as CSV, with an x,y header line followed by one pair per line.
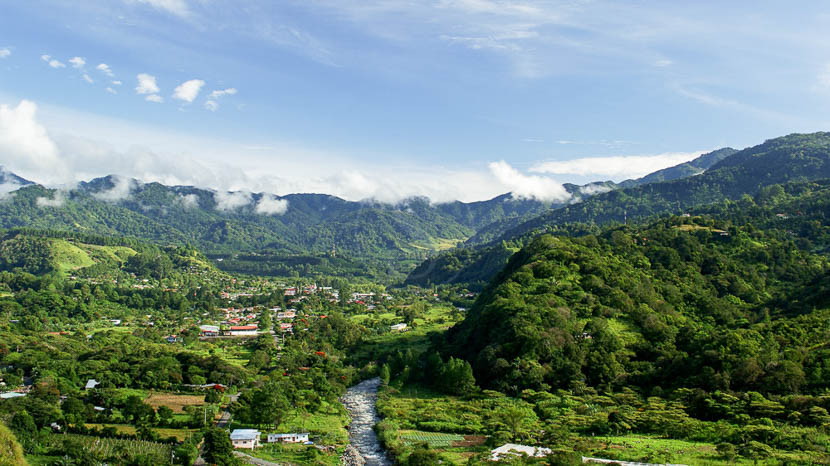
x,y
245,438
288,438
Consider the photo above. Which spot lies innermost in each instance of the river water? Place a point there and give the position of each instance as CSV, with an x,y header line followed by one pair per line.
x,y
360,401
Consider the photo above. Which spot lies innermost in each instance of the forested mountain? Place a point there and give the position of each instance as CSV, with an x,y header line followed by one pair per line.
x,y
732,299
7,177
275,226
789,158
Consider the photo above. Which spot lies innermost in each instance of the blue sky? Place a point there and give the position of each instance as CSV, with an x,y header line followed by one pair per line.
x,y
390,98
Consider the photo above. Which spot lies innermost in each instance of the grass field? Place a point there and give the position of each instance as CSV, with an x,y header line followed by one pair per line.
x,y
297,454
174,402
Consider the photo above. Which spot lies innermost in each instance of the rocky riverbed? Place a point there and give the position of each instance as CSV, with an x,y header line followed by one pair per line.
x,y
360,401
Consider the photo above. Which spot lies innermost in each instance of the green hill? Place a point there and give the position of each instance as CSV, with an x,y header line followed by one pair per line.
x,y
41,251
734,299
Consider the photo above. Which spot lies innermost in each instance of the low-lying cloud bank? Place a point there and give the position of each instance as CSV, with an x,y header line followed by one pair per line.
x,y
617,167
29,149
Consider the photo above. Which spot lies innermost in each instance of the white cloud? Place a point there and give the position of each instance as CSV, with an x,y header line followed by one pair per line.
x,y
227,200
104,68
58,199
528,186
188,201
188,90
5,52
616,167
663,63
87,78
222,92
121,189
212,104
26,145
52,62
594,188
111,90
146,84
77,62
154,98
271,205
7,189
116,83
177,7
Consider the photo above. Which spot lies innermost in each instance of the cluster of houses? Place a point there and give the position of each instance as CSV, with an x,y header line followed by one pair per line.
x,y
252,438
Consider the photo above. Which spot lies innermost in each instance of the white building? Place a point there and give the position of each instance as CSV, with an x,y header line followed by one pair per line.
x,y
288,438
245,438
398,327
511,449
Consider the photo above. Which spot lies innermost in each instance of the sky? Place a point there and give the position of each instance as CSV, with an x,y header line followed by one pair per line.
x,y
387,99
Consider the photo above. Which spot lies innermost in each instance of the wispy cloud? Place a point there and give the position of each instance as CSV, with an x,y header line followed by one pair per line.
x,y
155,98
104,68
615,167
87,78
58,199
5,52
54,63
176,7
188,90
111,90
212,104
77,62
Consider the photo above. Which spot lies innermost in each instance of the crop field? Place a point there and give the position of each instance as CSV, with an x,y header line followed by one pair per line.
x,y
174,402
112,447
180,434
434,439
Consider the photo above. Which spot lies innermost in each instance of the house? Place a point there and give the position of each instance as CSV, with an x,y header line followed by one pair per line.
x,y
511,449
209,330
398,327
242,330
91,383
245,438
285,327
10,395
288,438
172,339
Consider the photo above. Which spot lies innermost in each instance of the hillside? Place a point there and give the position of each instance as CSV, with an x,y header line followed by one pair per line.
x,y
648,306
747,172
41,252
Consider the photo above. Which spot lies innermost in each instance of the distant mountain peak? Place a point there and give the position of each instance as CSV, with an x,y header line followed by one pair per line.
x,y
7,177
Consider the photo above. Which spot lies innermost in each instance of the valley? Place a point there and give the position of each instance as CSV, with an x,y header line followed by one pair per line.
x,y
680,318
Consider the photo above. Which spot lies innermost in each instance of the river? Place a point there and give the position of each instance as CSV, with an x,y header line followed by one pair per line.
x,y
360,401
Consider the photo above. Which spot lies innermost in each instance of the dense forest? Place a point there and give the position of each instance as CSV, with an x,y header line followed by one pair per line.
x,y
654,305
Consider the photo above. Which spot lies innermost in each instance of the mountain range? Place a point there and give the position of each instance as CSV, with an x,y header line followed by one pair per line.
x,y
476,237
